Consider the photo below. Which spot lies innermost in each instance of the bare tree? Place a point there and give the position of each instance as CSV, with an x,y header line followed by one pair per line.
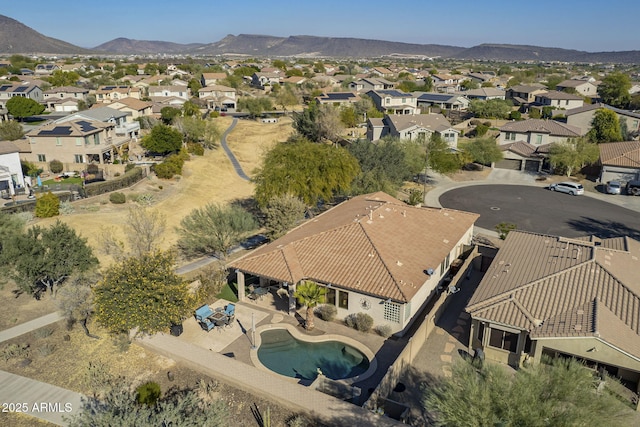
x,y
144,229
75,299
329,124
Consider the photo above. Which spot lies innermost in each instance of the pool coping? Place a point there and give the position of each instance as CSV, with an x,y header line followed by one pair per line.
x,y
373,363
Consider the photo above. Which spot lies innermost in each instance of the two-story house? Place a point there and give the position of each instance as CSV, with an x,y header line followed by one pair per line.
x,y
11,177
394,101
25,90
413,127
107,94
136,107
582,87
370,83
524,94
262,80
445,101
210,79
175,91
582,117
219,97
123,120
558,100
484,93
64,98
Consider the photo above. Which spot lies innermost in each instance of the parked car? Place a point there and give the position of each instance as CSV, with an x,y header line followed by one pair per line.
x,y
572,188
633,188
614,187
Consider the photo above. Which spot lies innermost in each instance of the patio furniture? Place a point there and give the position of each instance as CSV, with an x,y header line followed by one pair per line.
x,y
219,319
202,315
230,309
259,293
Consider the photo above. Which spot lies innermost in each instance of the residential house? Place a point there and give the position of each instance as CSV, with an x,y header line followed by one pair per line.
x,y
64,98
123,120
210,79
338,98
372,254
582,117
393,101
581,87
524,94
175,91
293,80
136,107
219,98
555,296
482,78
446,83
262,80
46,69
523,156
11,177
559,100
75,143
484,93
370,83
412,127
107,94
8,91
620,161
444,101
537,132
382,72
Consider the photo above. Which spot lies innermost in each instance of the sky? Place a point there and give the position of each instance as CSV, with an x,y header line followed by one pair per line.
x,y
587,25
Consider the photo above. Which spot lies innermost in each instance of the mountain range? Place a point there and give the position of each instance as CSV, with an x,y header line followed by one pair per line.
x,y
16,37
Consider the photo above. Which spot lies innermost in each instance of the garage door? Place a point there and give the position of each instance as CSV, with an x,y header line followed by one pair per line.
x,y
532,165
509,164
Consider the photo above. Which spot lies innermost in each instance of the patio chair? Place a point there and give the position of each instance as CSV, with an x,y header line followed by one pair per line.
x,y
202,316
230,309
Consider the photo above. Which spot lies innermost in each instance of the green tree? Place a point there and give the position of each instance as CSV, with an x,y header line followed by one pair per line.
x,y
142,292
167,114
10,131
194,86
309,294
185,408
75,299
281,214
47,205
469,85
614,90
21,107
212,134
190,109
63,78
560,394
440,156
605,127
490,109
286,97
215,229
484,151
151,69
162,140
43,258
306,122
193,128
312,172
255,106
573,155
348,117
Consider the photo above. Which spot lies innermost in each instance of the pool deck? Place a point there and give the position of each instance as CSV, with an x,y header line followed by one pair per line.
x,y
226,354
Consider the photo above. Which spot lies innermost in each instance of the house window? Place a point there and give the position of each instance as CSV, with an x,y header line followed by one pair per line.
x,y
481,332
86,140
503,340
42,158
58,141
392,312
511,136
96,139
343,300
387,101
79,142
78,158
330,296
538,139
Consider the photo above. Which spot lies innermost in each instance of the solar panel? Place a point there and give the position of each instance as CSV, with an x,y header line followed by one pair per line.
x,y
339,96
85,126
5,88
57,131
21,89
394,93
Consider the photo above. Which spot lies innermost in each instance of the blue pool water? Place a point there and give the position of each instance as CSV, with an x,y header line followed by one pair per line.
x,y
284,354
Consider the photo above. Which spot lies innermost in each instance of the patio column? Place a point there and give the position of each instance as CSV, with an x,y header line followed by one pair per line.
x,y
292,299
240,279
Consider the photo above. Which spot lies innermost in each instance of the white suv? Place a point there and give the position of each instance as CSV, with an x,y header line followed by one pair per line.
x,y
572,188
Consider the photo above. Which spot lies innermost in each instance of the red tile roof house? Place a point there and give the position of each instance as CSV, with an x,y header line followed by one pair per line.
x,y
549,295
373,253
619,161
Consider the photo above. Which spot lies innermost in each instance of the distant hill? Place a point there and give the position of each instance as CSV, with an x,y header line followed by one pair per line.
x,y
16,37
127,46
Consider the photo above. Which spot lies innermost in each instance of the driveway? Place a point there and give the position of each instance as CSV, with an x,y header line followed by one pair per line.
x,y
533,208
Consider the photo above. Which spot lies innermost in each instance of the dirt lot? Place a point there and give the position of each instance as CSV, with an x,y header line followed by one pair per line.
x,y
205,179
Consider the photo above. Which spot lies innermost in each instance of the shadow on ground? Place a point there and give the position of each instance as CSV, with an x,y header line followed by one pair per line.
x,y
603,229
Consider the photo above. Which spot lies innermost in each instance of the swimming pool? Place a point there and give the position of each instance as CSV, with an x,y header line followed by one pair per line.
x,y
282,353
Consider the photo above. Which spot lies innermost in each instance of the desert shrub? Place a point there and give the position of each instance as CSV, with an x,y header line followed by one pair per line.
x,y
43,332
117,174
359,321
384,330
326,312
122,342
166,169
298,421
481,130
25,216
515,115
92,169
46,349
13,351
66,208
117,198
145,199
214,114
128,167
148,394
47,205
56,166
195,148
474,122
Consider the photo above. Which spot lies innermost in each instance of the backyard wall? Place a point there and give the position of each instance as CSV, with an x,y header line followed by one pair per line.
x,y
423,329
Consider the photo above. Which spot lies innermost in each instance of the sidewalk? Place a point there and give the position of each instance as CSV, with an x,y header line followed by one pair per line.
x,y
29,326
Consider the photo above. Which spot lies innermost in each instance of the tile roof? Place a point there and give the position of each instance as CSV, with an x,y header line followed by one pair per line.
x,y
429,121
551,127
558,287
78,127
8,147
133,103
625,154
373,244
554,94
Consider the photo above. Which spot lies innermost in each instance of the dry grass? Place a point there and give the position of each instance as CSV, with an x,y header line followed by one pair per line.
x,y
23,308
205,179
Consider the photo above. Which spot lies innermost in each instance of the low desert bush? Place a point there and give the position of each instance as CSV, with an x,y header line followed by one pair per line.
x,y
13,351
359,321
47,205
117,198
384,330
66,208
148,393
326,312
56,166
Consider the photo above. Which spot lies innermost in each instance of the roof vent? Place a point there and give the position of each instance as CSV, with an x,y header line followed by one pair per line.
x,y
398,263
429,271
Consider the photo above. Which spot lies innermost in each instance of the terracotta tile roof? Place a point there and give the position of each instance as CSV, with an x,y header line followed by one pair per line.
x,y
8,147
519,147
133,103
372,244
554,94
548,285
626,154
551,127
429,121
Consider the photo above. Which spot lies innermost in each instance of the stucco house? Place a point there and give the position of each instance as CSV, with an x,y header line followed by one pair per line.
x,y
11,177
448,101
107,94
559,100
582,117
209,79
550,295
169,91
412,127
393,101
56,98
338,98
537,132
484,93
619,161
219,97
373,254
25,90
582,87
524,94
136,107
523,156
370,83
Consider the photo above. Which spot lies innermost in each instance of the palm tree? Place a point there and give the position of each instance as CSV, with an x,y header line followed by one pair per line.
x,y
310,294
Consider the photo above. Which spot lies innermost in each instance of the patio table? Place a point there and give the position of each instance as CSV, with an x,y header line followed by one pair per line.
x,y
260,292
